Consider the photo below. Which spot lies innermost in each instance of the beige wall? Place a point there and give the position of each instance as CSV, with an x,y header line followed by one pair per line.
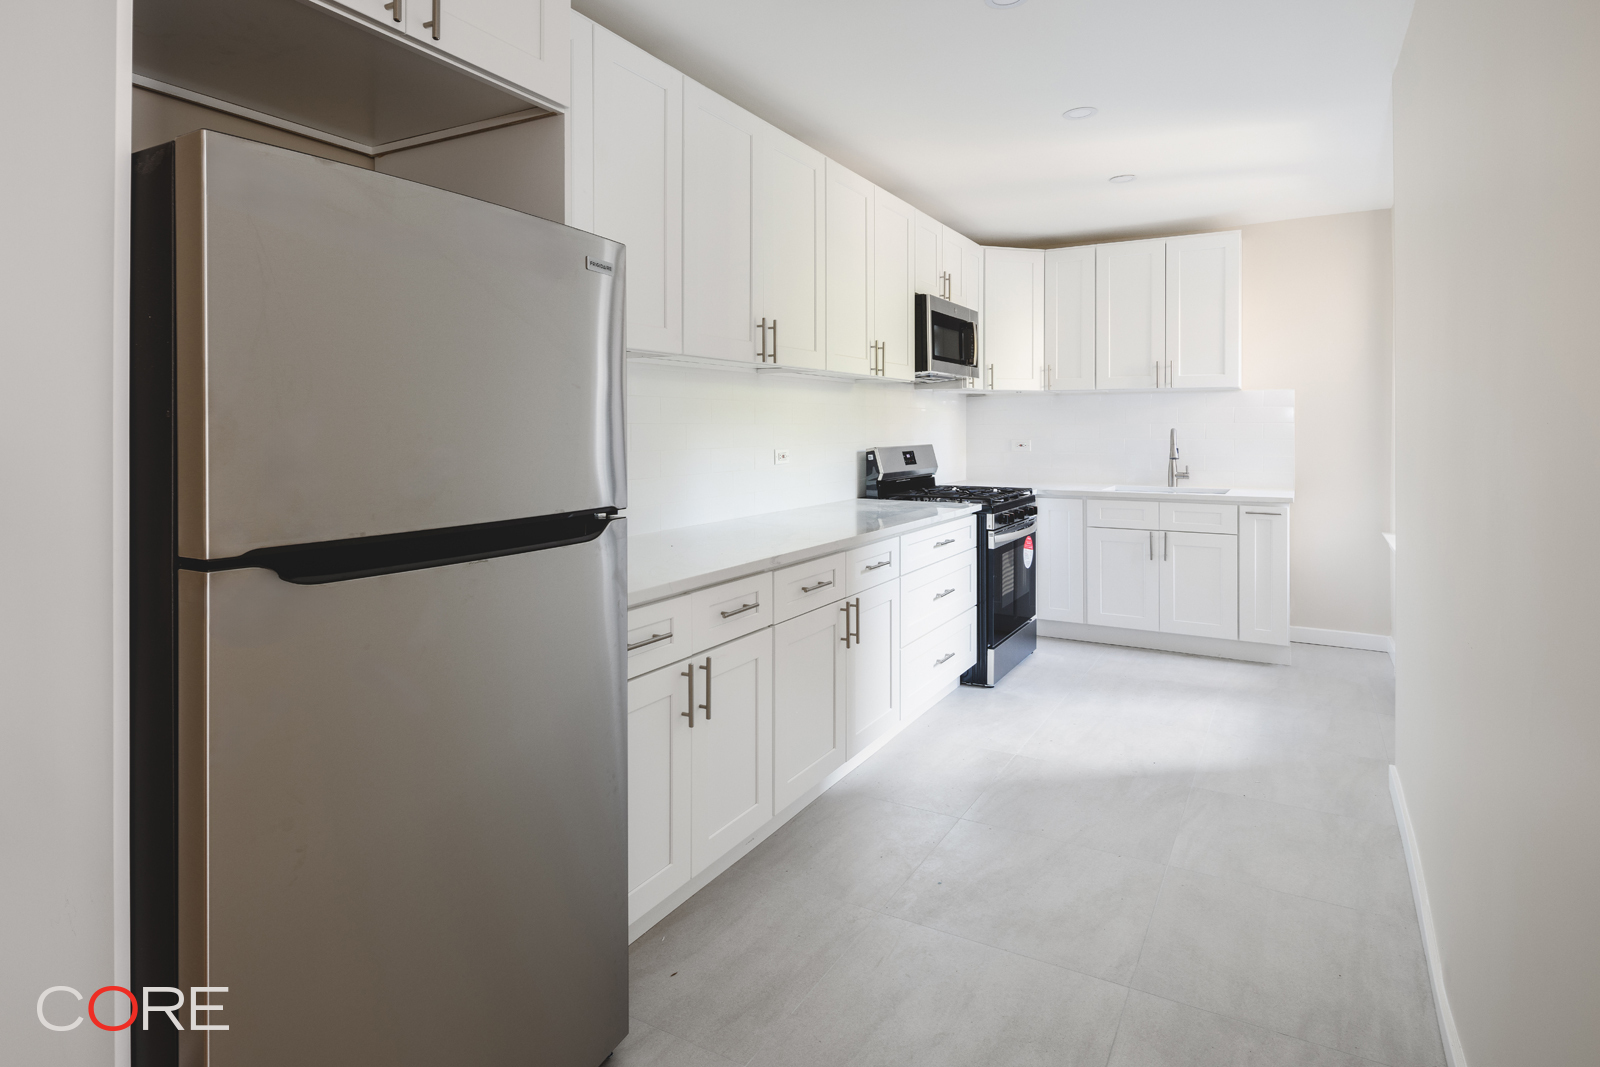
x,y
1316,296
1496,222
63,545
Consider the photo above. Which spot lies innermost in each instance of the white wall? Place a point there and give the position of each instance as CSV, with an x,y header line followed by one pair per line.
x,y
1243,438
700,442
1316,295
63,365
1497,444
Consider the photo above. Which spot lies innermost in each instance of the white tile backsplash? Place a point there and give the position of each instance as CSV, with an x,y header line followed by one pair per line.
x,y
1242,439
701,442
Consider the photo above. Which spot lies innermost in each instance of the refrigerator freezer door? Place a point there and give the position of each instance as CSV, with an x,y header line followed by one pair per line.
x,y
402,813
359,355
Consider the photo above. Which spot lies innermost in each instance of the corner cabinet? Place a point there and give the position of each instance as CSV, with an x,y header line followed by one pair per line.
x,y
1013,317
1202,301
1069,318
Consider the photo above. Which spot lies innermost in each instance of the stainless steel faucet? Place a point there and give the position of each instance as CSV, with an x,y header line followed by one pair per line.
x,y
1174,475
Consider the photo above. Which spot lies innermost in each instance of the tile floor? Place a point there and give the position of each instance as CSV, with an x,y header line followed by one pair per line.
x,y
1118,857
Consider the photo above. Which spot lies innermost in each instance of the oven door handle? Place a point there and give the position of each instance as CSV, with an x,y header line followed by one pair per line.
x,y
1000,541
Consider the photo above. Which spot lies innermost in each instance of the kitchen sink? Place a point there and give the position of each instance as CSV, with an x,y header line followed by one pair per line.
x,y
1166,489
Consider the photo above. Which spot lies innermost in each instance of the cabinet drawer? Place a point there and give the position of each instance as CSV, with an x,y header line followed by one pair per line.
x,y
1191,517
1124,514
928,547
872,565
941,657
935,594
658,634
730,610
798,589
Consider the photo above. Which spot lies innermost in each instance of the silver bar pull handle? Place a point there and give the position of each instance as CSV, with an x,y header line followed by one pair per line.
x,y
393,5
706,707
881,563
1277,513
774,340
857,604
1158,374
651,640
814,588
845,607
941,596
946,541
739,611
689,674
762,326
943,658
1164,541
1152,545
433,23
1169,374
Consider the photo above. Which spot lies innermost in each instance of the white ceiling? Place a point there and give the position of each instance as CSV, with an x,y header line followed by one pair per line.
x,y
1229,111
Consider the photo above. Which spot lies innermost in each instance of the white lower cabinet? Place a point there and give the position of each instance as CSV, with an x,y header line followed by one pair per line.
x,y
731,750
1199,584
809,701
658,786
699,764
1060,569
1124,578
1264,575
873,680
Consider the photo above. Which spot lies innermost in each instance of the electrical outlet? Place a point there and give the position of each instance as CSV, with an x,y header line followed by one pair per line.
x,y
1022,446
780,455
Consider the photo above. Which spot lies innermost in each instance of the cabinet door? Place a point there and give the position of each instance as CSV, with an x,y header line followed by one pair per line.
x,y
638,183
1199,584
872,661
1130,314
972,278
849,274
1203,310
1013,317
731,745
1060,573
950,264
658,786
808,701
719,153
928,278
1264,575
1069,318
523,41
894,224
790,237
1123,583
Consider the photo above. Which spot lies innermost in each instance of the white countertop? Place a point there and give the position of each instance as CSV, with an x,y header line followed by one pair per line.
x,y
670,562
1232,496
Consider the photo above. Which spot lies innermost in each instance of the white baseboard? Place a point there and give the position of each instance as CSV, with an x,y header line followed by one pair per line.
x,y
916,704
1311,635
1453,1054
1250,651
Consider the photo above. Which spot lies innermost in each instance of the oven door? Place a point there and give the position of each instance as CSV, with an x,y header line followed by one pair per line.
x,y
1011,582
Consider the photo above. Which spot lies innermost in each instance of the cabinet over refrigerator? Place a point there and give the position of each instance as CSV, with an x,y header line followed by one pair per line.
x,y
378,618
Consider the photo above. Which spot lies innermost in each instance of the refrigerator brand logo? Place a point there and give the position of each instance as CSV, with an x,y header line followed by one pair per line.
x,y
599,266
170,1010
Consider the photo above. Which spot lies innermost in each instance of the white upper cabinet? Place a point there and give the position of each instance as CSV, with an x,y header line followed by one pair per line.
x,y
1069,317
930,234
1130,314
790,238
719,154
638,183
970,293
1202,301
851,345
894,228
1013,317
522,41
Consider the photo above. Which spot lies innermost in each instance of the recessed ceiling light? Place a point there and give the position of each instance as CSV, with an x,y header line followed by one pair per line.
x,y
1123,177
1003,3
1080,113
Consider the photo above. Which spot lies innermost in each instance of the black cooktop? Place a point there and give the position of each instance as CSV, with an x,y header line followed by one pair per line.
x,y
989,496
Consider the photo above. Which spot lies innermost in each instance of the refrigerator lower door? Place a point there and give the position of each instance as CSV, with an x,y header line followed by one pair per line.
x,y
402,813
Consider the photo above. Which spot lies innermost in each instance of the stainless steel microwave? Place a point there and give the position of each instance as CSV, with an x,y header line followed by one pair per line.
x,y
947,340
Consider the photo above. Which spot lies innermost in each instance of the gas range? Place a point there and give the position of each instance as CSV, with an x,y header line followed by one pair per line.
x,y
1007,524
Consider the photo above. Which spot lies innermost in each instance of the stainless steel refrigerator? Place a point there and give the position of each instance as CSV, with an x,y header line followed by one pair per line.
x,y
378,620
